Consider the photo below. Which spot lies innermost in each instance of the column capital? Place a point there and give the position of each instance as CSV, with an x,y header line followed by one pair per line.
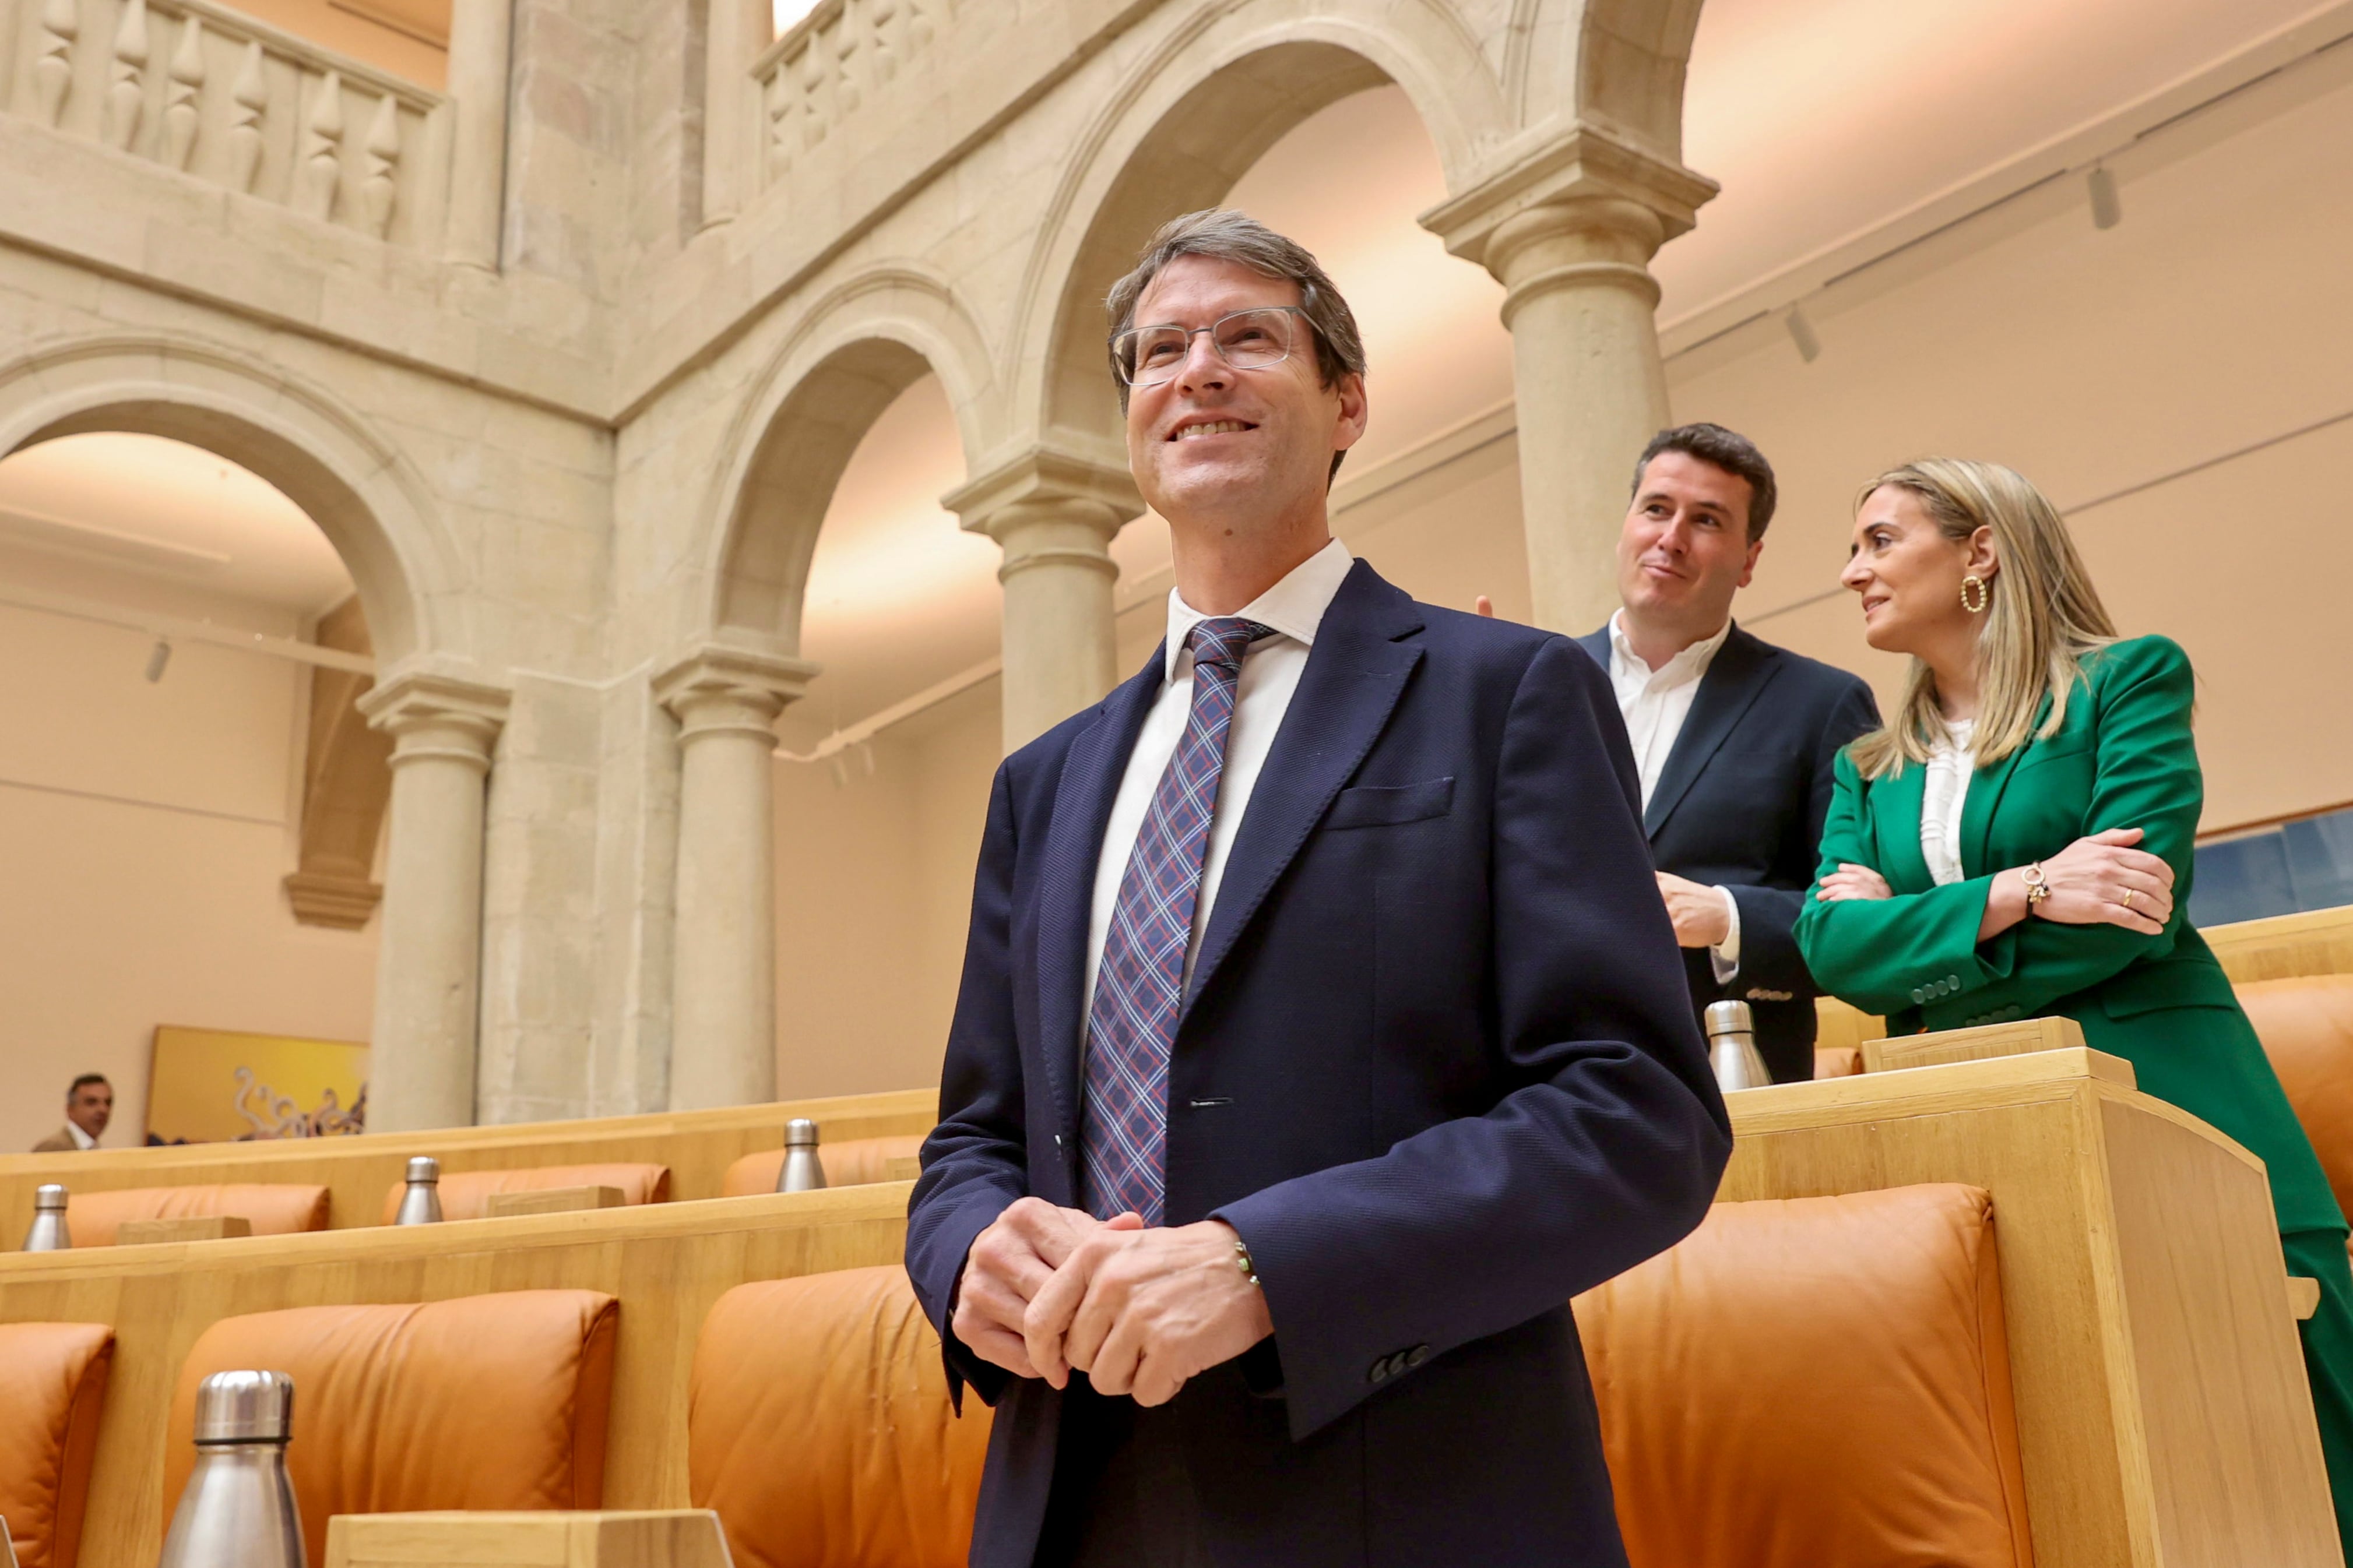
x,y
431,714
1587,167
719,688
1046,482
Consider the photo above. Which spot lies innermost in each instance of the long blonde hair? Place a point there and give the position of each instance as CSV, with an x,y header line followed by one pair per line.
x,y
2042,619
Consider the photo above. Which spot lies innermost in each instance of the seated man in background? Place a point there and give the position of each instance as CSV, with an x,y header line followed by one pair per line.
x,y
1320,1034
89,1106
1734,738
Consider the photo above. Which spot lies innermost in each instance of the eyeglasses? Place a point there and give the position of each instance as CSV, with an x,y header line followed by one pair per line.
x,y
1246,339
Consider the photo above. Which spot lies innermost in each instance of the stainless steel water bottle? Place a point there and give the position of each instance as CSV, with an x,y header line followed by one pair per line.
x,y
49,1232
421,1202
238,1510
1732,1047
802,1171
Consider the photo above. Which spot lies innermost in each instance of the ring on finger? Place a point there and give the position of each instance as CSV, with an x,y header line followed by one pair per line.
x,y
2128,897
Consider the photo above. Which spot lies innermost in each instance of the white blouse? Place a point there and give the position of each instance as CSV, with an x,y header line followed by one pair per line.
x,y
1944,794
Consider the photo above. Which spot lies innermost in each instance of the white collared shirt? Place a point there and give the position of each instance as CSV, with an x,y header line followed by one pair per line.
x,y
1655,703
1944,795
1294,608
81,1139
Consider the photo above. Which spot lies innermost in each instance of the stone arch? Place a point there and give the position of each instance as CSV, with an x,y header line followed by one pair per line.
x,y
358,488
859,347
1615,64
1184,126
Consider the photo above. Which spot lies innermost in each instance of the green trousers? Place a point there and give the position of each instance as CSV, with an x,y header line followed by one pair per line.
x,y
2328,1359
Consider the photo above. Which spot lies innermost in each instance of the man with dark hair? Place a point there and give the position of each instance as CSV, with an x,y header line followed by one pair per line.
x,y
89,1106
1321,1032
1734,738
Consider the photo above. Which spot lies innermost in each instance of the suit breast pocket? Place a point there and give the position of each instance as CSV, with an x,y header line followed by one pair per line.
x,y
1382,806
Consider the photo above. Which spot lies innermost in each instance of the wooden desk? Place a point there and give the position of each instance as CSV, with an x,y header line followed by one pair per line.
x,y
666,1262
2163,1415
697,1145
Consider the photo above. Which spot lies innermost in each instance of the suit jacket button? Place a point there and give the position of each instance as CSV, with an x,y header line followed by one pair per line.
x,y
1954,981
1919,995
1381,1371
1416,1355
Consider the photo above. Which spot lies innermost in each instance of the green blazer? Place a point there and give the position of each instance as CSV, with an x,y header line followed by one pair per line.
x,y
2124,757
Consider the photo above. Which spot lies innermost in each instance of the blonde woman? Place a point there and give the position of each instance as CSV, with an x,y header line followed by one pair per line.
x,y
2016,843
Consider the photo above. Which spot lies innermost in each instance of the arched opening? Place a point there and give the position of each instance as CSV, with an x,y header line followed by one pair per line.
x,y
883,768
1338,156
193,809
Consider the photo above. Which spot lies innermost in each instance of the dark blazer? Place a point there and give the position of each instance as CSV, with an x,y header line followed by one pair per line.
x,y
1740,805
1437,1065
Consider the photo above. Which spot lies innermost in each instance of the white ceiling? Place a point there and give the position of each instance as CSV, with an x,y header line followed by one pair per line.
x,y
168,513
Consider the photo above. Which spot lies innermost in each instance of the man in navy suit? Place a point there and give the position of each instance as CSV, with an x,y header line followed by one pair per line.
x,y
1321,1035
1734,739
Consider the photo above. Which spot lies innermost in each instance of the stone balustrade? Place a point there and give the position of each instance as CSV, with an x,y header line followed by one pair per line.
x,y
843,54
235,102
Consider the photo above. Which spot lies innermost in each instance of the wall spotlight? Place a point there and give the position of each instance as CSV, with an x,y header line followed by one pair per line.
x,y
158,658
2107,211
1801,333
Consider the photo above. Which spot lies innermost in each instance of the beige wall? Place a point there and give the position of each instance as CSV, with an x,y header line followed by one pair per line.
x,y
143,830
874,894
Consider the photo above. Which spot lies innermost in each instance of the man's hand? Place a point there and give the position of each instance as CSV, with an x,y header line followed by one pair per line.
x,y
1141,1311
1009,1263
1701,920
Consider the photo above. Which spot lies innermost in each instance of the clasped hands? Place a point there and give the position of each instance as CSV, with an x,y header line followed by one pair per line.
x,y
1141,1311
2100,880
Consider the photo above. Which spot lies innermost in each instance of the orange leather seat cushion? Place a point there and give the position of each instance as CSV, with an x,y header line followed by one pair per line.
x,y
1837,1061
852,1163
483,1402
2307,1027
1810,1382
465,1194
818,1426
275,1208
52,1387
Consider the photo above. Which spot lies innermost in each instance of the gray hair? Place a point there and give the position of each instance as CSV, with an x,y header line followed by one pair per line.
x,y
1224,235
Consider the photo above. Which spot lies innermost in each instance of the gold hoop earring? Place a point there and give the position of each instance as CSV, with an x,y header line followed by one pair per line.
x,y
1984,594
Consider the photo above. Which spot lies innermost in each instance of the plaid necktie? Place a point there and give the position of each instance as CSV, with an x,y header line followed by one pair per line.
x,y
1141,981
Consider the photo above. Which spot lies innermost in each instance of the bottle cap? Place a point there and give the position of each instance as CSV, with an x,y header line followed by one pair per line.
x,y
245,1407
424,1168
50,1195
1730,1018
800,1132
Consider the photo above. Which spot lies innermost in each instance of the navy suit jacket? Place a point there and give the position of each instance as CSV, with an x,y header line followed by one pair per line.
x,y
1740,806
1437,1065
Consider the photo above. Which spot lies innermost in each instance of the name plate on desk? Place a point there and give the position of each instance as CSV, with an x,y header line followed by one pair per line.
x,y
189,1227
667,1538
1983,1042
551,1200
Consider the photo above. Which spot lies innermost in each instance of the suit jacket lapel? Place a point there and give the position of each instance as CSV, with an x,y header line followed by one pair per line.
x,y
1741,669
1351,685
1092,772
1895,806
1985,798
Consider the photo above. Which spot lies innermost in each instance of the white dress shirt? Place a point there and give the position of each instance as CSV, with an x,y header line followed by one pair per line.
x,y
81,1139
1944,793
1655,703
1294,608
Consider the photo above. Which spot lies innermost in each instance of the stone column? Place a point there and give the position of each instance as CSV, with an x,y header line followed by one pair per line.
x,y
723,996
481,34
428,961
737,34
1569,231
1054,516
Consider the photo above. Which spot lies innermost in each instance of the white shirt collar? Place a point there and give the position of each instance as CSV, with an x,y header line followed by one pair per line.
x,y
81,1139
1689,665
1294,608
